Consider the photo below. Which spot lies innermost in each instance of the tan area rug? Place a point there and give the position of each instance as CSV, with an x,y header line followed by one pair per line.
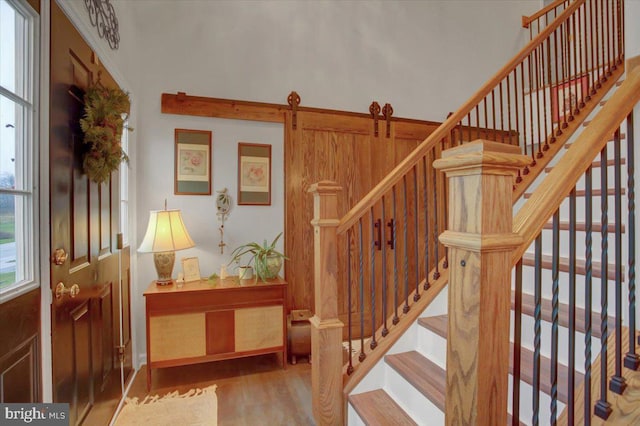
x,y
195,407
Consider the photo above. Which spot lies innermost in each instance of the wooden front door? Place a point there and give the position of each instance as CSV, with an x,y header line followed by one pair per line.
x,y
86,263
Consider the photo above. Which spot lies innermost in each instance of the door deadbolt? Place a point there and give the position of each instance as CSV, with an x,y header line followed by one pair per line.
x,y
59,256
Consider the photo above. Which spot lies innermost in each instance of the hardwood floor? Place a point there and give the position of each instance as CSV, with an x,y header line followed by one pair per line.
x,y
251,391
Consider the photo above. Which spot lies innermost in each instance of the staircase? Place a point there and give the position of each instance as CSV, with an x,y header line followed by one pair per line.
x,y
386,251
408,385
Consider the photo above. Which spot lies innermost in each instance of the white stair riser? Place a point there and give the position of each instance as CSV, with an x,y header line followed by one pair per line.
x,y
528,287
581,245
433,347
416,405
526,404
528,341
596,210
353,419
375,379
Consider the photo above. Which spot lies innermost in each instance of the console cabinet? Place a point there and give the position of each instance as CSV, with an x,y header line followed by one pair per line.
x,y
213,320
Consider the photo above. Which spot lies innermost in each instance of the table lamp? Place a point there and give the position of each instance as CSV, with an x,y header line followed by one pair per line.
x,y
165,235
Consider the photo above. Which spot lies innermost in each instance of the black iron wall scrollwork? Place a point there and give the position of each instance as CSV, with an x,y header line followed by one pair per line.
x,y
103,17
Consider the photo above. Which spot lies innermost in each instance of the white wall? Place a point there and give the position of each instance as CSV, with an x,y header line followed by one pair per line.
x,y
423,57
156,180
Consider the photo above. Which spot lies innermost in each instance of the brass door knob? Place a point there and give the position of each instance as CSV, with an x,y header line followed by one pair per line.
x,y
59,257
61,290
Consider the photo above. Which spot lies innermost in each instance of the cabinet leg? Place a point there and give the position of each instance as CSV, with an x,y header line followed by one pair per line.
x,y
293,360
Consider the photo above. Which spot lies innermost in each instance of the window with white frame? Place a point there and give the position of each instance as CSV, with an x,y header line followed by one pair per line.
x,y
19,38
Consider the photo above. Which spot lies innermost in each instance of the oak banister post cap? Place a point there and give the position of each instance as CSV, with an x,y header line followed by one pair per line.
x,y
324,186
482,156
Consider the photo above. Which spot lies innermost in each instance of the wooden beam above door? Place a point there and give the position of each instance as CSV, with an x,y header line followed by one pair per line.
x,y
183,104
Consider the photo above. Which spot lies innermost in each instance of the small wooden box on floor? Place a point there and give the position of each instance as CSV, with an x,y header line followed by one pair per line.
x,y
299,332
213,320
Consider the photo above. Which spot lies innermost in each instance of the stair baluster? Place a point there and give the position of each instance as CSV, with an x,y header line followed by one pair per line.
x,y
588,285
617,383
555,308
537,317
517,346
632,360
603,406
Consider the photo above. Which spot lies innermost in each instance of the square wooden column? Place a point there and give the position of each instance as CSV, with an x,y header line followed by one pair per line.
x,y
326,328
480,239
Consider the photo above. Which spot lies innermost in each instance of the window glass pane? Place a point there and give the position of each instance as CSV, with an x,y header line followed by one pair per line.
x,y
11,135
17,243
124,188
7,240
14,53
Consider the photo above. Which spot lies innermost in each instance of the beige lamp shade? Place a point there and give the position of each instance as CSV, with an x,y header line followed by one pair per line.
x,y
166,233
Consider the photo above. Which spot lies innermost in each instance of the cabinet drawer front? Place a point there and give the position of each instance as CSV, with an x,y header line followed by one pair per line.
x,y
208,300
177,336
259,328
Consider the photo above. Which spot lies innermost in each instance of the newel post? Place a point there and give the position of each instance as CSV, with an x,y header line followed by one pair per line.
x,y
480,239
326,328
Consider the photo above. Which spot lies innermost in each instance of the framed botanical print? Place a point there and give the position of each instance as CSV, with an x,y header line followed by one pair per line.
x,y
192,162
254,174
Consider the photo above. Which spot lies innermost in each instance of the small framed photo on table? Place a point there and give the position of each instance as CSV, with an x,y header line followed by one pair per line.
x,y
191,269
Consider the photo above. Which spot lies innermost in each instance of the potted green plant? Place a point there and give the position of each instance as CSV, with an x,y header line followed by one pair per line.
x,y
266,259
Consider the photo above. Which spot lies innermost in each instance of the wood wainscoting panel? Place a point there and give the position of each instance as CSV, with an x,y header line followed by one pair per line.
x,y
187,329
19,372
258,328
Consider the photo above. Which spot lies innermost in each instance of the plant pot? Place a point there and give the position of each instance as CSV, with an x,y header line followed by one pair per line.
x,y
245,272
270,268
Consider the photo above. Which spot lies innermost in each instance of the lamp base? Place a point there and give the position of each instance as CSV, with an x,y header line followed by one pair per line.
x,y
164,282
164,266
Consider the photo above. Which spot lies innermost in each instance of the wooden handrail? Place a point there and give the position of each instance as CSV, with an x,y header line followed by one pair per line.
x,y
531,218
526,20
444,130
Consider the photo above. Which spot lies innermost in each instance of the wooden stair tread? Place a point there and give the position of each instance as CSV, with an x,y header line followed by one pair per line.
x,y
622,137
424,375
582,226
595,164
526,359
432,381
582,193
529,260
528,308
377,408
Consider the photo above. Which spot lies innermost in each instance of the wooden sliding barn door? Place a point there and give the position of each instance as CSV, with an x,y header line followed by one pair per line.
x,y
344,148
86,264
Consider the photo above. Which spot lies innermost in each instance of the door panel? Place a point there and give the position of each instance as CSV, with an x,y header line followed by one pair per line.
x,y
19,372
84,222
125,302
81,362
343,148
